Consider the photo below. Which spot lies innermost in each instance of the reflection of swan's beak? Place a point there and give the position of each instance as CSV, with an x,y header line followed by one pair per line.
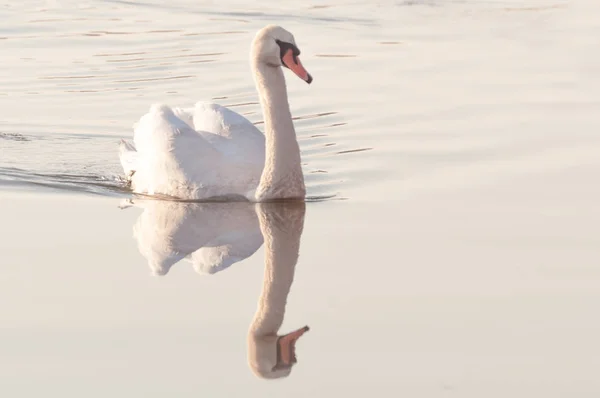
x,y
286,348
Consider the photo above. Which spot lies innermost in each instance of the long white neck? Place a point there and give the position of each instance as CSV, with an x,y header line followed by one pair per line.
x,y
281,225
282,174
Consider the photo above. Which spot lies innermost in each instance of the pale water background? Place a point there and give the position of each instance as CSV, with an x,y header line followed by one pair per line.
x,y
463,136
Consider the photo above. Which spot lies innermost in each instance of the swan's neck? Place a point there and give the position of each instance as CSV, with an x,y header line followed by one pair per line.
x,y
282,174
281,229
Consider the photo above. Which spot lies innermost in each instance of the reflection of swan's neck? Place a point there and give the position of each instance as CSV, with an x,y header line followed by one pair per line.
x,y
277,281
282,174
281,230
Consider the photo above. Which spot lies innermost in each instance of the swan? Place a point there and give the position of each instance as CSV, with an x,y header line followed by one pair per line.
x,y
214,236
210,151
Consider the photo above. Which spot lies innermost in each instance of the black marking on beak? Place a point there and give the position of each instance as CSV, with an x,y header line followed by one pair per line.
x,y
283,49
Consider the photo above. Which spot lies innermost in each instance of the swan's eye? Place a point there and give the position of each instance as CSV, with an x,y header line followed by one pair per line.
x,y
284,47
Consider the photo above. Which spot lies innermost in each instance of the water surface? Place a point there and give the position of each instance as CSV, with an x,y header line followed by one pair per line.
x,y
463,260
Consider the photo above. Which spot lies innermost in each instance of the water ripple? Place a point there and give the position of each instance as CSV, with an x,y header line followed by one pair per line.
x,y
87,183
13,137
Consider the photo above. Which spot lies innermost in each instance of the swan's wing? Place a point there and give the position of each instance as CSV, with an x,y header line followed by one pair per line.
x,y
219,120
186,115
172,158
161,130
231,133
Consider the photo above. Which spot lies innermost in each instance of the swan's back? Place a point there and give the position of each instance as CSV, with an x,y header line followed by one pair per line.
x,y
228,131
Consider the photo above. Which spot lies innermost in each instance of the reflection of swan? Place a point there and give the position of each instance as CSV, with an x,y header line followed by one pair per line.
x,y
212,236
212,151
216,235
269,355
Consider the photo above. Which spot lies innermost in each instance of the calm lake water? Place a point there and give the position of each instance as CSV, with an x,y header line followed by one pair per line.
x,y
457,255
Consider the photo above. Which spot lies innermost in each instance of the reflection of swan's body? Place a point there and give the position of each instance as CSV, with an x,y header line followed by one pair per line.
x,y
269,355
212,151
210,235
216,235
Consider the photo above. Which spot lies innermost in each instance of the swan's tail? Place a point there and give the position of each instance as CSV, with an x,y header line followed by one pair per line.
x,y
128,156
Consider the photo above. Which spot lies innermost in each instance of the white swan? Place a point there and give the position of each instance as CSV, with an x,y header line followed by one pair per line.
x,y
211,151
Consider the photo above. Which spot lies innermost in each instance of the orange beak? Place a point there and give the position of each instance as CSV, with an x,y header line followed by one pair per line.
x,y
293,63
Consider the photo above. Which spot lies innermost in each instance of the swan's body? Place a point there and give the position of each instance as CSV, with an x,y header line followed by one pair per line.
x,y
204,152
211,151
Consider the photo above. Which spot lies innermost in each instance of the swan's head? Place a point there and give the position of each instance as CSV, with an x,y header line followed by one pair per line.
x,y
272,357
275,47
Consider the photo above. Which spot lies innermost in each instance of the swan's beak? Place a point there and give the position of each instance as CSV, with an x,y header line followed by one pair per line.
x,y
286,348
292,62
